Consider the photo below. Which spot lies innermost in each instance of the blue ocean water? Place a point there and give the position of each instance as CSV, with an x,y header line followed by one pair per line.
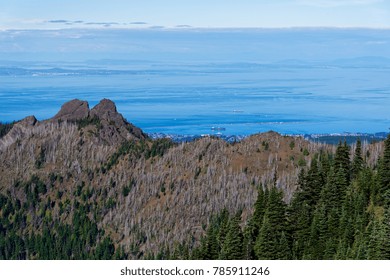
x,y
191,99
243,81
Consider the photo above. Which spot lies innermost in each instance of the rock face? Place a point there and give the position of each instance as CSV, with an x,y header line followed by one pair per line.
x,y
20,130
73,110
107,125
28,121
113,127
106,111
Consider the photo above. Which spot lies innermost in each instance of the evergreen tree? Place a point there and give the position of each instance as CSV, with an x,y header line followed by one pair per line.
x,y
342,162
250,235
385,241
357,163
275,228
375,241
223,221
233,246
384,173
284,248
266,246
318,234
211,247
260,208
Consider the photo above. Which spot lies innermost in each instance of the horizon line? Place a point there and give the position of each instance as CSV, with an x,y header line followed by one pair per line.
x,y
175,28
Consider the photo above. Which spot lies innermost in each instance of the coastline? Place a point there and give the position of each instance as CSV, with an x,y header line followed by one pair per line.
x,y
331,138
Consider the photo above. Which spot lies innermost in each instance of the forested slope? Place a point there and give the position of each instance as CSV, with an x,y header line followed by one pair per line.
x,y
87,184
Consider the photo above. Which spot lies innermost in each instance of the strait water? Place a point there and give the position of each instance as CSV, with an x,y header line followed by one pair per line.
x,y
174,81
185,98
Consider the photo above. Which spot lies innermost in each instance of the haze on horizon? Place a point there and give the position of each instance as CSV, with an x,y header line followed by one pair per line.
x,y
58,14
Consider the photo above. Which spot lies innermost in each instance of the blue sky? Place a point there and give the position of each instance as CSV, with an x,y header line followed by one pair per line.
x,y
58,14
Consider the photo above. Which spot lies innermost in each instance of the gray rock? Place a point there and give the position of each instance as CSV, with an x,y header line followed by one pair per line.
x,y
73,110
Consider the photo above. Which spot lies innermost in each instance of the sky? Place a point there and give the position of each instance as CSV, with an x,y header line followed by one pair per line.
x,y
158,14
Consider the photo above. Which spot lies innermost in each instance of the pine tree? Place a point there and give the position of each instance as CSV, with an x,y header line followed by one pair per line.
x,y
233,246
266,244
223,221
342,161
384,173
274,229
357,163
375,241
211,247
284,248
314,183
250,235
385,241
276,211
260,208
318,234
299,221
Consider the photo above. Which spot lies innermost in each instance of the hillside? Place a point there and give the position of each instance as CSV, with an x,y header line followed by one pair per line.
x,y
98,182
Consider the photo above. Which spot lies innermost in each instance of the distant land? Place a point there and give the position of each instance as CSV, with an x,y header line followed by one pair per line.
x,y
332,139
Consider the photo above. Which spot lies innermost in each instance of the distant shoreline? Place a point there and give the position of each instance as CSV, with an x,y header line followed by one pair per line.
x,y
328,138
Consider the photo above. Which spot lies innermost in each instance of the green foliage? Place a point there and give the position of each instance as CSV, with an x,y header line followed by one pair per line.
x,y
384,174
138,148
232,248
340,211
28,230
126,190
95,120
301,162
159,147
358,162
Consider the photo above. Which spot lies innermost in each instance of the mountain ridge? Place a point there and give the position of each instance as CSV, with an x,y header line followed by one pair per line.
x,y
142,193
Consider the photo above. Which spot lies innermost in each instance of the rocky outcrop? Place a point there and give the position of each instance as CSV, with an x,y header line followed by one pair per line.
x,y
20,130
112,126
73,110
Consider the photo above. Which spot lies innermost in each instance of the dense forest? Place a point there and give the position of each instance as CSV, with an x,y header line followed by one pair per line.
x,y
93,186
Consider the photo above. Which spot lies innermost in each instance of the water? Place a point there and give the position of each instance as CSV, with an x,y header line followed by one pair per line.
x,y
292,81
192,98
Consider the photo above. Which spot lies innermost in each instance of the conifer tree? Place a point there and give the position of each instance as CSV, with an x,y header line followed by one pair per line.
x,y
211,248
223,221
284,248
384,173
342,161
357,163
375,240
250,235
260,208
266,244
318,234
233,246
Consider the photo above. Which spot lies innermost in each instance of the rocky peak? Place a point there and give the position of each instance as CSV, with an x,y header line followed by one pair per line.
x,y
106,110
73,110
105,105
28,121
113,127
